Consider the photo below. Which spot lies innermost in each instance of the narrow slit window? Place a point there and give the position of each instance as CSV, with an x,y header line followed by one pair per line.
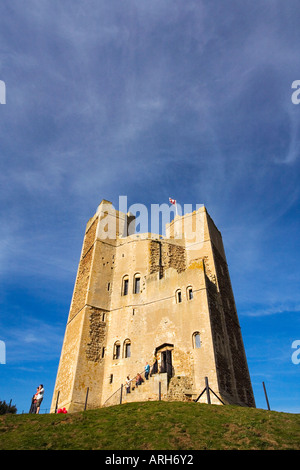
x,y
117,350
125,286
178,296
190,294
137,284
196,340
127,348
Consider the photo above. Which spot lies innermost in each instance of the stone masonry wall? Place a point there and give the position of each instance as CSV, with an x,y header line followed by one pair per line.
x,y
219,338
239,363
174,256
155,257
83,274
97,332
165,255
180,388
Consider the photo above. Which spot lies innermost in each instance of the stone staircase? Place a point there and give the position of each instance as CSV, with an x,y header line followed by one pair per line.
x,y
157,387
152,389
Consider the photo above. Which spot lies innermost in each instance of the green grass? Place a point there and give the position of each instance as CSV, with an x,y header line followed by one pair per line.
x,y
153,426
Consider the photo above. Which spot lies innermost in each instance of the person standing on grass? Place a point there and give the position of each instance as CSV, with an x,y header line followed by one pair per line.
x,y
39,398
33,402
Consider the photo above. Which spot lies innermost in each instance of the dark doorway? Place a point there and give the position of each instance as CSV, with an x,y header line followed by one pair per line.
x,y
166,362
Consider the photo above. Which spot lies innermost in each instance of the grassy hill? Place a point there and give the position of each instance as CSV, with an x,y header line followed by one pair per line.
x,y
153,426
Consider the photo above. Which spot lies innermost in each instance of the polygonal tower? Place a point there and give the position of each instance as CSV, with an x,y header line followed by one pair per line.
x,y
144,298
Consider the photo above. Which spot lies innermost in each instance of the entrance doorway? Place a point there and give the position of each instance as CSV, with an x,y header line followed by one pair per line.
x,y
166,362
165,351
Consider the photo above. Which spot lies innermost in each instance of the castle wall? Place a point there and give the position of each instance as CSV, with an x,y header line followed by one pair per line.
x,y
240,384
112,330
68,367
154,317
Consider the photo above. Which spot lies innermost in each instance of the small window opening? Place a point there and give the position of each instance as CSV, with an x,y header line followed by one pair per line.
x,y
137,285
190,294
117,350
196,340
125,286
178,296
127,349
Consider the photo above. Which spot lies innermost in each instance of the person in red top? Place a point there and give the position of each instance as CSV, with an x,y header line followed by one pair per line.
x,y
33,402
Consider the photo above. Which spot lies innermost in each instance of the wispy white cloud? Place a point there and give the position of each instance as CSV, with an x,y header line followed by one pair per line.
x,y
33,341
148,99
258,311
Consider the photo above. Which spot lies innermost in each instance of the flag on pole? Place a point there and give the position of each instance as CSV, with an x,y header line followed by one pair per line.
x,y
173,201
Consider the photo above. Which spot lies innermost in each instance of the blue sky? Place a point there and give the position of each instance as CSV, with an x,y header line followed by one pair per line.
x,y
188,99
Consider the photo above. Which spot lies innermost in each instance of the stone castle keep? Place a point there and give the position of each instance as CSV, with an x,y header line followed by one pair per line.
x,y
140,296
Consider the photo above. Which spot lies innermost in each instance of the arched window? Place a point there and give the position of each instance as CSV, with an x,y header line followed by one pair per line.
x,y
137,284
127,348
125,285
196,340
178,296
117,350
189,293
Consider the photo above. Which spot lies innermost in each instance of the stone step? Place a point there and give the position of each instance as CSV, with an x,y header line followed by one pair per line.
x,y
148,390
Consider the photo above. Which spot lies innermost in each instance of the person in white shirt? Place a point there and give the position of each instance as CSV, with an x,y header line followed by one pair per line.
x,y
128,383
39,398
